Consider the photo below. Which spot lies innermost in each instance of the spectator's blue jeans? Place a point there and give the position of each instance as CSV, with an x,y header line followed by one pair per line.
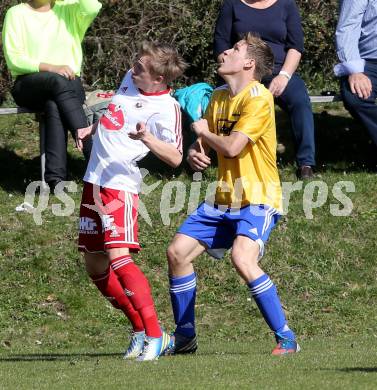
x,y
364,110
296,102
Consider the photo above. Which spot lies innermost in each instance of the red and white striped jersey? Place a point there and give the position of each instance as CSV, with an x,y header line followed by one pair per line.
x,y
113,161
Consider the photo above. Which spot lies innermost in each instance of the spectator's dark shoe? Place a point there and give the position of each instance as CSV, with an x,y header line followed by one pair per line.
x,y
305,173
53,184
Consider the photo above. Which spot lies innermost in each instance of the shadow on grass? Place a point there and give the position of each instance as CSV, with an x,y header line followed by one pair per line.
x,y
69,356
17,171
55,356
351,369
358,369
342,144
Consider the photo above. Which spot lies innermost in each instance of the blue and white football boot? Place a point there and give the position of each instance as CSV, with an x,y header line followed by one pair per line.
x,y
154,347
136,345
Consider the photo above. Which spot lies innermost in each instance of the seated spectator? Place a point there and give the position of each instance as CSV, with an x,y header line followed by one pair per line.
x,y
278,23
356,36
42,47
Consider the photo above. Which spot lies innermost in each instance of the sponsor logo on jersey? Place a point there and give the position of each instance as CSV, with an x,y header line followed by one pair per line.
x,y
88,226
225,126
113,118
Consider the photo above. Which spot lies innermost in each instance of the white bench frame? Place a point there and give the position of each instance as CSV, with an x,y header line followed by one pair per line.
x,y
325,99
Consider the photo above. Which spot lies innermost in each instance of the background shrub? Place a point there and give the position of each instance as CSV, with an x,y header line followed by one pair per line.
x,y
122,24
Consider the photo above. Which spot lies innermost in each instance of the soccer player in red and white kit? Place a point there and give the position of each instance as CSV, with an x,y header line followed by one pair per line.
x,y
141,117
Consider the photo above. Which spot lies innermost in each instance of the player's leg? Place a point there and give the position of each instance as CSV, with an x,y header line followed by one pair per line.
x,y
136,287
99,270
105,279
182,278
138,290
201,231
245,254
253,227
91,241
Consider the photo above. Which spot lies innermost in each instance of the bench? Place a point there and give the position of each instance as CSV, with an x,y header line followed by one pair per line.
x,y
39,118
23,110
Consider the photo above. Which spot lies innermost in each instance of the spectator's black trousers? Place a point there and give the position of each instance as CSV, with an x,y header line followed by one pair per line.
x,y
61,101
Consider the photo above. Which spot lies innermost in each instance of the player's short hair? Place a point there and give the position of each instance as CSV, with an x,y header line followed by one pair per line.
x,y
164,60
261,53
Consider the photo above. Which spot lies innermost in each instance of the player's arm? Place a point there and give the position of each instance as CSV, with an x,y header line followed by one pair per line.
x,y
230,146
167,152
197,155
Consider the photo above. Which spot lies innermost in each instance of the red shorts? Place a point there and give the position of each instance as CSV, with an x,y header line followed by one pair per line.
x,y
108,219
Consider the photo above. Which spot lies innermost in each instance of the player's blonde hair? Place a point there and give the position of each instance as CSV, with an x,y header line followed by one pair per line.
x,y
164,60
261,53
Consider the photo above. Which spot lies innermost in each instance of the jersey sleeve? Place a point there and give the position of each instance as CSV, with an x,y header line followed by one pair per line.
x,y
167,127
255,118
208,115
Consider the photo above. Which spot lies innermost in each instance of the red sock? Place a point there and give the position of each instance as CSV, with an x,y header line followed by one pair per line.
x,y
137,288
112,290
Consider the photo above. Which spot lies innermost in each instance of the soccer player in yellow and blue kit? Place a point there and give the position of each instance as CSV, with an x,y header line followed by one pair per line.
x,y
240,126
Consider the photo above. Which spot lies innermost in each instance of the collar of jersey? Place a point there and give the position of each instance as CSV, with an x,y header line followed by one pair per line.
x,y
251,83
163,92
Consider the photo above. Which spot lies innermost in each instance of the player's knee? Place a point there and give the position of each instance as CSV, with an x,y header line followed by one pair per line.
x,y
242,263
175,255
245,259
96,264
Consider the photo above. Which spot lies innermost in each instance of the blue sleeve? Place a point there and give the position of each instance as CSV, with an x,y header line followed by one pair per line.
x,y
347,35
295,35
223,29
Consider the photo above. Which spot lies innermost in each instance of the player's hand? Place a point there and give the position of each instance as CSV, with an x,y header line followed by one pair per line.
x,y
63,70
141,132
278,85
200,127
360,85
198,161
81,134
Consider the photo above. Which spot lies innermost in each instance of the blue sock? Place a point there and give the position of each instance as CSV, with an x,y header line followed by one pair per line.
x,y
266,297
182,295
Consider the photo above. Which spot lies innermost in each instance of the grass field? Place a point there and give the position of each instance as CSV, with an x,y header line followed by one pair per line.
x,y
329,363
57,332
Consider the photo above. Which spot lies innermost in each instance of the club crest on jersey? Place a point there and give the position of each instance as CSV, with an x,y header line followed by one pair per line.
x,y
113,118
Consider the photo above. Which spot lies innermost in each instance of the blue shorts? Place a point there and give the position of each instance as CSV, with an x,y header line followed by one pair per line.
x,y
216,227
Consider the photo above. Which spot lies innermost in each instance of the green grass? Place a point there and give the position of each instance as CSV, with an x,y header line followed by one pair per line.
x,y
325,269
328,363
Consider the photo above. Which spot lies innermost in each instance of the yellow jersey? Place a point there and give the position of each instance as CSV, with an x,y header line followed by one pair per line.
x,y
252,176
